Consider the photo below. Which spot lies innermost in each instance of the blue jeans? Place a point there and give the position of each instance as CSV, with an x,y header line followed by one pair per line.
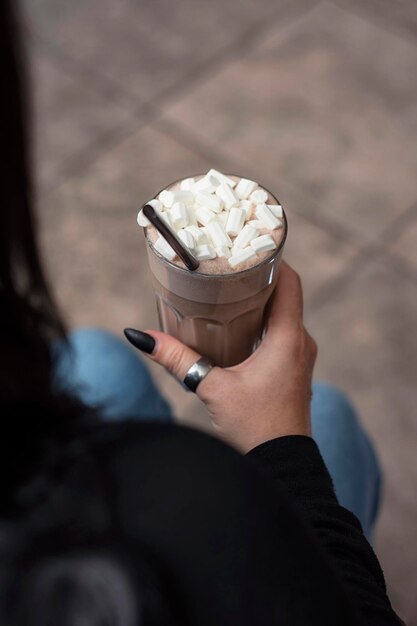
x,y
107,373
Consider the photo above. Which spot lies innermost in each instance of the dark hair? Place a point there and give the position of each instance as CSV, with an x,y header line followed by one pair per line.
x,y
53,583
96,587
93,589
29,320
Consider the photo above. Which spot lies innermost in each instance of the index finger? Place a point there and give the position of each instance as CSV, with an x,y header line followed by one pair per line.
x,y
287,300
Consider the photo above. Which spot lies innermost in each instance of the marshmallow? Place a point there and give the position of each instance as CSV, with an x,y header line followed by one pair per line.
x,y
168,198
156,204
263,243
246,205
159,208
197,234
245,236
205,252
235,221
267,218
192,219
221,178
165,197
142,220
204,215
223,217
187,197
207,183
256,224
186,238
259,196
165,216
187,184
217,234
236,250
227,194
212,202
241,256
179,215
245,187
162,246
223,252
207,236
276,209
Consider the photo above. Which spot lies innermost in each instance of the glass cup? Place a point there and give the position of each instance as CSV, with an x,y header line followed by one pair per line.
x,y
220,316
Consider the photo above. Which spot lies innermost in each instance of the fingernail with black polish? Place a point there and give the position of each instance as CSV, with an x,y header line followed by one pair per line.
x,y
140,340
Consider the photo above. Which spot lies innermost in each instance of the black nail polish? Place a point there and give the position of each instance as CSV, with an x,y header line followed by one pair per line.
x,y
140,340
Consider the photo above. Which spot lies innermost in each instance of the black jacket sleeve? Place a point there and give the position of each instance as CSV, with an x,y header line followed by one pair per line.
x,y
231,545
294,465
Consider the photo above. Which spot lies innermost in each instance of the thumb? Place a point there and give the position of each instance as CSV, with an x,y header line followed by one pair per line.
x,y
169,352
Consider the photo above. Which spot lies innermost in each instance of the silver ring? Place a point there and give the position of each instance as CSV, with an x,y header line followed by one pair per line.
x,y
197,372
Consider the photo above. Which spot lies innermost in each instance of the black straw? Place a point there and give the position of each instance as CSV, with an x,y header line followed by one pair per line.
x,y
171,237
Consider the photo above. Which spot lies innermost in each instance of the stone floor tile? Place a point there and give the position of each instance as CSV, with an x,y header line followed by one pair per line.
x,y
145,47
326,104
71,118
400,15
368,347
131,173
405,246
315,254
371,318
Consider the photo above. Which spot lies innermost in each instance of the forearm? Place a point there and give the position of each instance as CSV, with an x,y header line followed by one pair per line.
x,y
295,465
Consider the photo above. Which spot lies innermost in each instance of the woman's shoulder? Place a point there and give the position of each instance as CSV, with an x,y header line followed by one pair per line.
x,y
162,478
160,445
122,468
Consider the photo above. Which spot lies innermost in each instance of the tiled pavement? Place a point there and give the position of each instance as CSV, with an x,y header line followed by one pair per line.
x,y
318,100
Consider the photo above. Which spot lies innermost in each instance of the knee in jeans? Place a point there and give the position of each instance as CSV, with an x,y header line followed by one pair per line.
x,y
101,350
96,338
333,405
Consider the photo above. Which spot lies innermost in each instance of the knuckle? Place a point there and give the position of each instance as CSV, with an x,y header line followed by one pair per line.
x,y
303,345
296,335
173,359
296,276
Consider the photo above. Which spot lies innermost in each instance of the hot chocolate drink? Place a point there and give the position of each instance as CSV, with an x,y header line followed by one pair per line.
x,y
237,231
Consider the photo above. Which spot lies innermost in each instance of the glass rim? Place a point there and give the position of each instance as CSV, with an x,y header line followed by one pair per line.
x,y
229,274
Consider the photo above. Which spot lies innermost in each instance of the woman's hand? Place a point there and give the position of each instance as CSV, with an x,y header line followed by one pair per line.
x,y
269,394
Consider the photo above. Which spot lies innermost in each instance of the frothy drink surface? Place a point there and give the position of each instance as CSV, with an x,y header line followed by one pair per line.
x,y
220,265
218,310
